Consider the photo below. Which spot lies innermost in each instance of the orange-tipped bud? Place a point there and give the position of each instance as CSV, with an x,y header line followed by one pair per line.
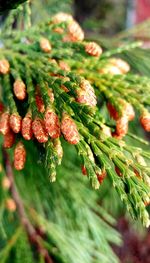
x,y
39,130
86,94
26,128
93,49
9,139
64,66
69,129
15,122
19,89
52,124
4,123
75,32
4,66
45,45
145,121
122,126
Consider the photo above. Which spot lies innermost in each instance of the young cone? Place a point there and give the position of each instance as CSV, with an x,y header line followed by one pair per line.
x,y
69,129
4,123
75,32
9,139
15,122
39,130
86,94
19,89
4,66
19,156
122,126
93,49
52,124
45,45
26,128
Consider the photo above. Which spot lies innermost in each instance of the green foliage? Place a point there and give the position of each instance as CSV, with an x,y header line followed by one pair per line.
x,y
73,226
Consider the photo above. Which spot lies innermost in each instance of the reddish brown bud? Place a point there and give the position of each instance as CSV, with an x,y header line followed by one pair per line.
x,y
45,45
9,139
64,66
145,121
10,205
19,89
4,123
101,176
15,122
39,102
83,169
52,124
64,88
75,32
118,171
69,129
26,128
93,49
19,156
122,126
112,111
39,130
4,66
1,107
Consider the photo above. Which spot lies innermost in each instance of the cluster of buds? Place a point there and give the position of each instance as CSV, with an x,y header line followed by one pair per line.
x,y
127,115
115,66
86,94
9,124
75,32
93,49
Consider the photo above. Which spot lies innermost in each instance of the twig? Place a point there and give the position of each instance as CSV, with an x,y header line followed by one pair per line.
x,y
32,234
